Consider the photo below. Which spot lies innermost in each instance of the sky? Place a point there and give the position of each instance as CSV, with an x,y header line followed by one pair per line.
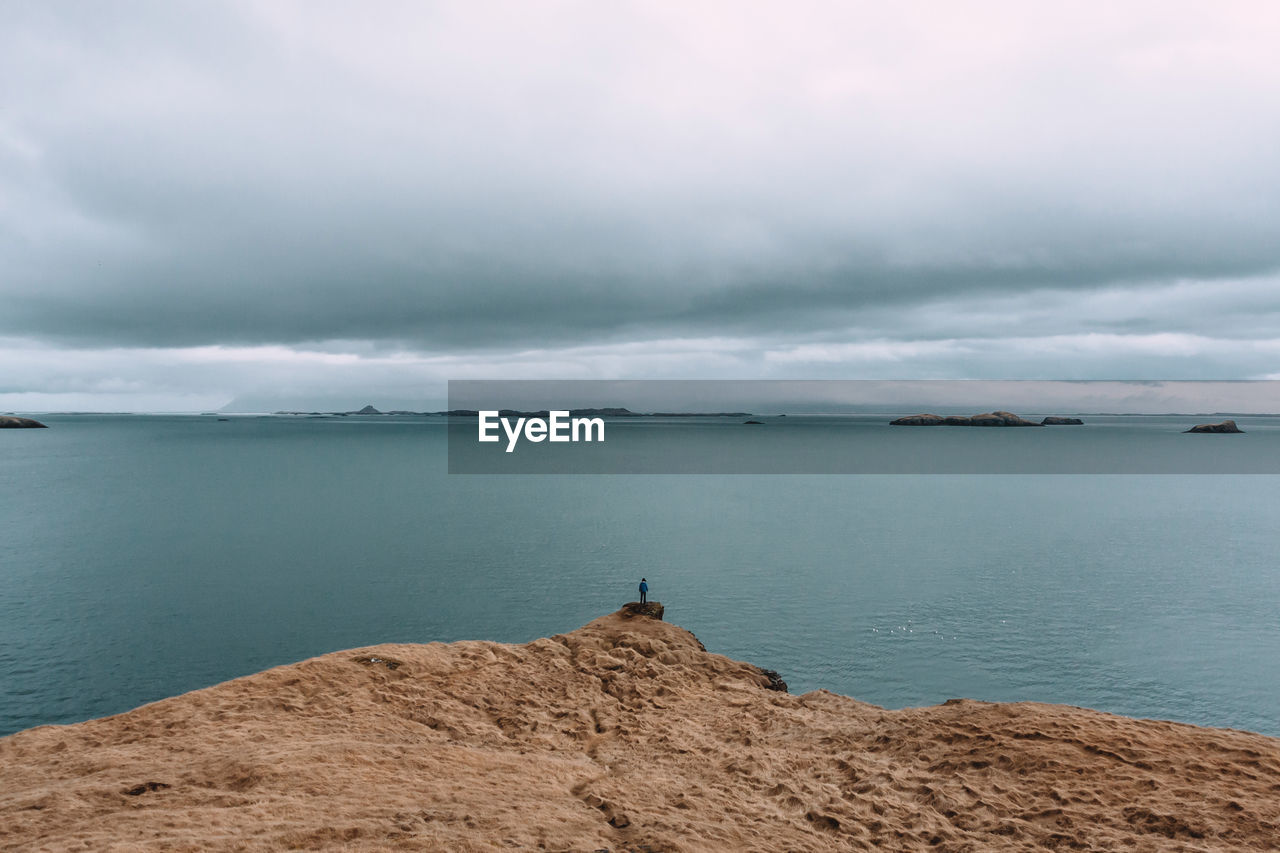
x,y
321,205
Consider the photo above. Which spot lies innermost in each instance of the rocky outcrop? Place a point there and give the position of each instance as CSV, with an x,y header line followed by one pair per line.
x,y
1224,426
12,422
652,609
918,420
997,418
1054,420
775,681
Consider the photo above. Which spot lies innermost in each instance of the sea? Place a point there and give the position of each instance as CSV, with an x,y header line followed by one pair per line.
x,y
142,556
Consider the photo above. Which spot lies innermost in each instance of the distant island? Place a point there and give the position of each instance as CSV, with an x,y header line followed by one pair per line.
x,y
542,413
1227,426
15,422
997,418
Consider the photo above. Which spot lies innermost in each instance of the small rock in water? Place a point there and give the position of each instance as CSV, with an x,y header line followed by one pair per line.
x,y
1224,426
14,422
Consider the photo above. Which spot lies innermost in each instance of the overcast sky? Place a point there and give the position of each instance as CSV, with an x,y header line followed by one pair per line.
x,y
310,204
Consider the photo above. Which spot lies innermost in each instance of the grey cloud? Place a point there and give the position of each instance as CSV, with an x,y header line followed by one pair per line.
x,y
491,177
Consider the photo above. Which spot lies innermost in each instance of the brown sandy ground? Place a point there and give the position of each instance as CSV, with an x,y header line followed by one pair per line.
x,y
623,736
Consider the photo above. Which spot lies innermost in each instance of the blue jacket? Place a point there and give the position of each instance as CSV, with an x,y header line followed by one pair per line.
x,y
644,587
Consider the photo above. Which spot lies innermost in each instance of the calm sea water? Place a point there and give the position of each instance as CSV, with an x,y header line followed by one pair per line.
x,y
141,557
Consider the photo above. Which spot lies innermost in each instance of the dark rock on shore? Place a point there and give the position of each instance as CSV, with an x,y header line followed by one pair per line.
x,y
997,418
775,680
1054,420
754,423
652,609
12,422
1224,426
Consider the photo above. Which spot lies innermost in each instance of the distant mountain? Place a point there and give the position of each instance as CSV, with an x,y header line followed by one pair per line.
x,y
613,412
322,403
593,413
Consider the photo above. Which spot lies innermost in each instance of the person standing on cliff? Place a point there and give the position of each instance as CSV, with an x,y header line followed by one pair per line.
x,y
644,590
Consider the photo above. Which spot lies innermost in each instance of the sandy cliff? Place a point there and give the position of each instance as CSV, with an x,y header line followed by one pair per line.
x,y
623,735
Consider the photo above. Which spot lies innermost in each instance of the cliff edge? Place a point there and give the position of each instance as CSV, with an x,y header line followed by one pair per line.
x,y
624,735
